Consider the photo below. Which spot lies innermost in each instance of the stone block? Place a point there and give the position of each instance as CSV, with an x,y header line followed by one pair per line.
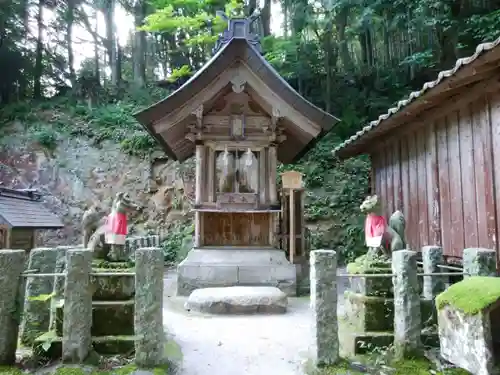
x,y
11,266
113,288
469,324
109,318
479,262
36,314
238,300
463,340
148,319
376,314
323,275
407,314
77,324
48,346
432,257
211,268
369,313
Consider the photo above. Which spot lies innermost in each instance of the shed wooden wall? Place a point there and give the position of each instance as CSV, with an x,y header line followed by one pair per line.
x,y
444,177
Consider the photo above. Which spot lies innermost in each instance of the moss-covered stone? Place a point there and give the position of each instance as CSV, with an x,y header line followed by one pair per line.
x,y
114,344
108,318
49,345
354,342
376,314
112,318
368,313
113,288
471,295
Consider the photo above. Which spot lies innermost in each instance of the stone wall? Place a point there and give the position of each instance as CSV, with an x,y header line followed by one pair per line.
x,y
79,173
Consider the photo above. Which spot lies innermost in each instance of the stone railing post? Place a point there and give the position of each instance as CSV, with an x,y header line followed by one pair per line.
x,y
148,319
323,274
77,340
36,316
407,319
12,265
479,262
432,256
59,282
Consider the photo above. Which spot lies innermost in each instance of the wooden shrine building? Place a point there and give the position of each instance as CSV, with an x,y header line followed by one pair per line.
x,y
21,214
436,156
239,118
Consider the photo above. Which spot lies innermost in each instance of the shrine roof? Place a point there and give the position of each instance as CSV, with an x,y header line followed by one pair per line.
x,y
237,52
24,209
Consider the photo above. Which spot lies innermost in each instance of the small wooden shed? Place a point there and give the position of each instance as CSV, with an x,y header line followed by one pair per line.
x,y
436,156
21,214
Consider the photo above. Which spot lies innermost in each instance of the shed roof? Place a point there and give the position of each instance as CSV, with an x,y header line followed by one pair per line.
x,y
235,50
23,209
467,72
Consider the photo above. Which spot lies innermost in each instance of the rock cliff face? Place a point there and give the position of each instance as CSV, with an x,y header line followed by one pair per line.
x,y
79,173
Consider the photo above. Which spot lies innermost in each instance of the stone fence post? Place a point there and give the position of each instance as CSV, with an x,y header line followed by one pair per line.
x,y
77,340
432,256
36,316
59,282
407,319
323,274
479,262
11,266
148,319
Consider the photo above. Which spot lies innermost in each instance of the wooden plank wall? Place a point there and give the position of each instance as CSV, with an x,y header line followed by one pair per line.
x,y
444,177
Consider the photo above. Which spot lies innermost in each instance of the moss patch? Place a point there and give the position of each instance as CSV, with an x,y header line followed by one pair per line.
x,y
162,370
363,264
341,368
471,295
406,367
69,371
5,370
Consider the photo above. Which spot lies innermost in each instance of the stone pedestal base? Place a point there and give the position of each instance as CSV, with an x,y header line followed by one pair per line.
x,y
220,267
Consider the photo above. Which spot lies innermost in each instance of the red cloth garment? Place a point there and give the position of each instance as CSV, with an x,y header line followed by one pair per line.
x,y
116,228
375,227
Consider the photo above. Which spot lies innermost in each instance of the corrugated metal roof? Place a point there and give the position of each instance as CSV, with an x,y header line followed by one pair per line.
x,y
480,49
20,209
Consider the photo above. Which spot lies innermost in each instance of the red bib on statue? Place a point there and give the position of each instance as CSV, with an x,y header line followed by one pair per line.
x,y
116,228
375,227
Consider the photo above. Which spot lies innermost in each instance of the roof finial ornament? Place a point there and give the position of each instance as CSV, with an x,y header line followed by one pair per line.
x,y
238,28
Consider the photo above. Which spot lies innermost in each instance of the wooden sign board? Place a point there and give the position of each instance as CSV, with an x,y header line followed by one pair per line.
x,y
291,180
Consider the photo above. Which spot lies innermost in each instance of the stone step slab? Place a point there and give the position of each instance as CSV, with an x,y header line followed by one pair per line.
x,y
238,300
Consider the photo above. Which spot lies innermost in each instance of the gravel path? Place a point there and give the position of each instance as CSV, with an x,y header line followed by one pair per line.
x,y
240,345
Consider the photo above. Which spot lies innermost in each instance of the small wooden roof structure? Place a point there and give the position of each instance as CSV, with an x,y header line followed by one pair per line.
x,y
237,61
23,209
467,73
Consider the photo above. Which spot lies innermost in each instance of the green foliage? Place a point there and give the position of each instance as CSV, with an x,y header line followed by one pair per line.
x,y
178,242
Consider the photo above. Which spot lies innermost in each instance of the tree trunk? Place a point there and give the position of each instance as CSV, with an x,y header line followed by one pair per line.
x,y
37,76
139,45
266,18
111,45
341,24
70,19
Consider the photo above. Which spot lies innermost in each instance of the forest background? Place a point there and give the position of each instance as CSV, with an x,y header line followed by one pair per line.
x,y
80,68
